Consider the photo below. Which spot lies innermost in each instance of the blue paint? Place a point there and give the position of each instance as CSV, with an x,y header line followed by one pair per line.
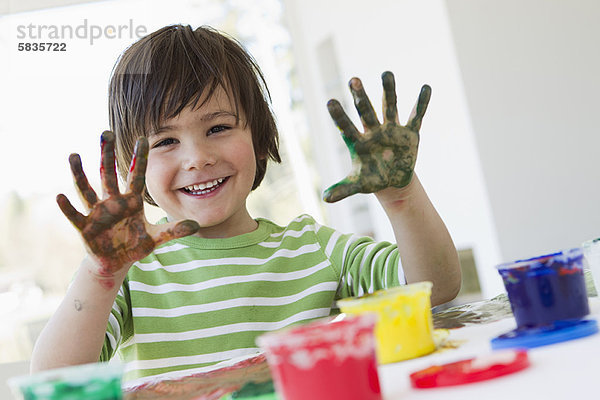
x,y
546,289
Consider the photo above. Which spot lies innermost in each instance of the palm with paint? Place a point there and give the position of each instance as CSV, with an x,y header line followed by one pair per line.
x,y
385,154
115,231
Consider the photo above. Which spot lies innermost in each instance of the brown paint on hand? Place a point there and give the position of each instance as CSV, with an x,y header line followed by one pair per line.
x,y
385,154
116,232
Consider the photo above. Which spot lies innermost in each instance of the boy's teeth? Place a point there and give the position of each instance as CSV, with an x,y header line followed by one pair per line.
x,y
206,185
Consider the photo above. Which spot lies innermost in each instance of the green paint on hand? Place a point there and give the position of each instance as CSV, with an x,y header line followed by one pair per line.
x,y
385,154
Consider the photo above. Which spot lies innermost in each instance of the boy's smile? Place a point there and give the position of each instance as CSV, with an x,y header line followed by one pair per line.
x,y
202,166
204,188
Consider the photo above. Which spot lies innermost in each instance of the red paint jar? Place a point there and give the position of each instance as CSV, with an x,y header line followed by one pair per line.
x,y
324,359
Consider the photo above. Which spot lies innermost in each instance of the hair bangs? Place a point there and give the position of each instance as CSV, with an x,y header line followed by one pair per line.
x,y
183,76
178,67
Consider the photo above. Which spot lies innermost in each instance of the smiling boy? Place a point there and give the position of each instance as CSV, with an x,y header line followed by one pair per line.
x,y
202,166
193,133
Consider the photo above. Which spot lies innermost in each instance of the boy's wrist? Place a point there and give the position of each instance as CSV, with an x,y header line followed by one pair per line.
x,y
398,198
99,274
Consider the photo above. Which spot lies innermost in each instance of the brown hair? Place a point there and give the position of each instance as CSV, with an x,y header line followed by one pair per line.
x,y
163,73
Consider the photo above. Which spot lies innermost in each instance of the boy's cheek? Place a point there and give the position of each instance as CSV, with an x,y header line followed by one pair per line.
x,y
153,172
152,186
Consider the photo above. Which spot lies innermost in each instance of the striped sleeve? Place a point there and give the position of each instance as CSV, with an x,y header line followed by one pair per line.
x,y
117,323
362,264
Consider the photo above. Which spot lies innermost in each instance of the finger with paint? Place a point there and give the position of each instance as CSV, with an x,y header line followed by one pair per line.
x,y
115,231
385,154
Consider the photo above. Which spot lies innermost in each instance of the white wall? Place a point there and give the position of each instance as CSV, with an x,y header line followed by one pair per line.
x,y
412,38
531,72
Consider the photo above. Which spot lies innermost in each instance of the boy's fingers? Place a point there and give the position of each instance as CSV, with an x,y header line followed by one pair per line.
x,y
416,116
390,110
137,169
341,190
173,230
363,104
70,212
108,174
87,194
343,122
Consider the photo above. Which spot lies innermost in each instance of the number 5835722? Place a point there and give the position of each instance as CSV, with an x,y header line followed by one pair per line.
x,y
43,46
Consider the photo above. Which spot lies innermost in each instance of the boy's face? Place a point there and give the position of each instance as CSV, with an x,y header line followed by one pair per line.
x,y
201,166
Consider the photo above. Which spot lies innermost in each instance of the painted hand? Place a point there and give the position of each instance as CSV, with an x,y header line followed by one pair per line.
x,y
115,231
385,154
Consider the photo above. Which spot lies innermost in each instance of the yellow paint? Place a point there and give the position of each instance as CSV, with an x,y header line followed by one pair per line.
x,y
404,329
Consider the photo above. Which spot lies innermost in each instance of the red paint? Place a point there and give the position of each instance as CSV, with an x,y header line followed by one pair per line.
x,y
325,360
568,271
133,161
102,155
107,284
104,271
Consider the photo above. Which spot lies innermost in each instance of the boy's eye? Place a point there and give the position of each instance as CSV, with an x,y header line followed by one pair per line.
x,y
217,129
164,142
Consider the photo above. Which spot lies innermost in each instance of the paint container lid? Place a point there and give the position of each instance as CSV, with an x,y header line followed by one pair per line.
x,y
477,369
560,331
566,257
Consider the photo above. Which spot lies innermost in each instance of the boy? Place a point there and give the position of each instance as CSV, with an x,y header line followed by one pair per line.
x,y
195,290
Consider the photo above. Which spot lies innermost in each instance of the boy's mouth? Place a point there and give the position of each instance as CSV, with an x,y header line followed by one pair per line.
x,y
205,187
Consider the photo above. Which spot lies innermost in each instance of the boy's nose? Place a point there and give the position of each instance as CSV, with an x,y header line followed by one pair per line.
x,y
198,157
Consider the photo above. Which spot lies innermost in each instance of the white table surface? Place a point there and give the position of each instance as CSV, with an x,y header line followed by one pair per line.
x,y
568,370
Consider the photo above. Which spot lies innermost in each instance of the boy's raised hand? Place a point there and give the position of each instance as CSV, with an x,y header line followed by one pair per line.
x,y
385,154
115,231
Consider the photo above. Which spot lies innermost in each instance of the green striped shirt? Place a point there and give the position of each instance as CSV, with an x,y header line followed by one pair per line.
x,y
195,303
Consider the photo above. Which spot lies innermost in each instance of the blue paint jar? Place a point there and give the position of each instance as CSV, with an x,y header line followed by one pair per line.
x,y
547,289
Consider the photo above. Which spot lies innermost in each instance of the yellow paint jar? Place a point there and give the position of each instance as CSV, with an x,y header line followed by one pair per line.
x,y
404,328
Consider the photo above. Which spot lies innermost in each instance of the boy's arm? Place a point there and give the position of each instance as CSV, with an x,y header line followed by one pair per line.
x,y
116,234
426,248
75,333
383,161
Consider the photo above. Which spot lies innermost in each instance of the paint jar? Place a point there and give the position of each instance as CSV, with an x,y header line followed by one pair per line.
x,y
591,250
324,359
96,381
404,328
546,290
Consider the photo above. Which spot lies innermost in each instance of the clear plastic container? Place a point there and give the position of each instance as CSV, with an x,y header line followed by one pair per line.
x,y
591,250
